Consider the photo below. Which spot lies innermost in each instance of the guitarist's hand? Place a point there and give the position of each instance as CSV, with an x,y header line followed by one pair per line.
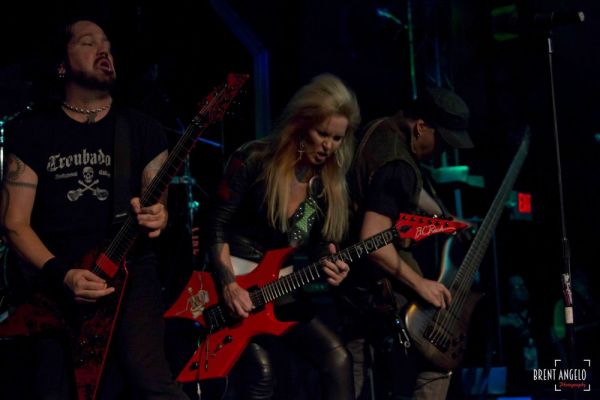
x,y
238,300
434,292
86,286
337,271
154,217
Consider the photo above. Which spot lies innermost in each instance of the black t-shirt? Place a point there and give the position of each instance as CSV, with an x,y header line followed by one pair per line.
x,y
74,164
390,190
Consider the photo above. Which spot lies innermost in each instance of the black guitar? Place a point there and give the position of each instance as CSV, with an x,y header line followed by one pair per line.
x,y
441,334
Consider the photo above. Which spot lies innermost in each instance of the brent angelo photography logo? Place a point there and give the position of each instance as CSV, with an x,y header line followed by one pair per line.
x,y
565,378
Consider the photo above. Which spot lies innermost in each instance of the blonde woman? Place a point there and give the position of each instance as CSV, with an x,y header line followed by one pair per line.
x,y
290,190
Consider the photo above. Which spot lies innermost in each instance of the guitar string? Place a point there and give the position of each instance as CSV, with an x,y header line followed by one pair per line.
x,y
124,233
447,323
506,184
286,284
464,286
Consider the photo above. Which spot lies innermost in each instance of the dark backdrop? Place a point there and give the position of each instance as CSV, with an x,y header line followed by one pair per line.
x,y
169,55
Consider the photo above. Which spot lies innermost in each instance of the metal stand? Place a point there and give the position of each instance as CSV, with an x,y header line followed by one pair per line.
x,y
566,252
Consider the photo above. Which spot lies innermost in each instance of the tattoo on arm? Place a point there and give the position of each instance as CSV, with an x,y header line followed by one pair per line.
x,y
16,167
224,274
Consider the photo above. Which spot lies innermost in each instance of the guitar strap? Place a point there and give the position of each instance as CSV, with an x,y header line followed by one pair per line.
x,y
304,217
122,169
431,189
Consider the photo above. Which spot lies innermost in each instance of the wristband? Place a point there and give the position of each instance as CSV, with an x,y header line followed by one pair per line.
x,y
54,271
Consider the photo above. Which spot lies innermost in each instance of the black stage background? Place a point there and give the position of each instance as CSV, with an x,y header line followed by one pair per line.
x,y
170,54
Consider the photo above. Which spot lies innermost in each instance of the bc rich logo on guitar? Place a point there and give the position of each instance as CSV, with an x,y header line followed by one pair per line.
x,y
225,338
441,334
92,331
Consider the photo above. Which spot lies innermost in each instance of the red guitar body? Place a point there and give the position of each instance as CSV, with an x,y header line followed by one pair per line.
x,y
226,338
221,348
92,327
89,327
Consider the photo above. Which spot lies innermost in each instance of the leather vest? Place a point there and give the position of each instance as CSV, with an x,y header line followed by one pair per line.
x,y
383,142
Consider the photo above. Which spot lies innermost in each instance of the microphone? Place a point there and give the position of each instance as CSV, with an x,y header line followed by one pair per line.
x,y
556,18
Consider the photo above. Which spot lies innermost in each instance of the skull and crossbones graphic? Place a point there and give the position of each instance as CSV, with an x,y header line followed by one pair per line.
x,y
88,183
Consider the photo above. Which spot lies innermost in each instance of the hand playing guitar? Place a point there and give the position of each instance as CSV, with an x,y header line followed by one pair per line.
x,y
237,300
434,292
154,217
337,271
88,287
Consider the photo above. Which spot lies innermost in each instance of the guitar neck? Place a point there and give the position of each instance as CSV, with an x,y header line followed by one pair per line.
x,y
129,231
466,274
212,110
174,161
314,271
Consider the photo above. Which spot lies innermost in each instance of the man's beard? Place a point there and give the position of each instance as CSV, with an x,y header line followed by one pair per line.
x,y
91,82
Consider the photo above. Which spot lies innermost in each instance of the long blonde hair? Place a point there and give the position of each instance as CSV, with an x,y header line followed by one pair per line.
x,y
325,96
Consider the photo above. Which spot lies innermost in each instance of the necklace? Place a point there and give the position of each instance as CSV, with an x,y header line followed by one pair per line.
x,y
85,111
91,113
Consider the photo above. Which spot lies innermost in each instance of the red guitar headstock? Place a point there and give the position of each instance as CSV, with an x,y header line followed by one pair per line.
x,y
419,227
213,107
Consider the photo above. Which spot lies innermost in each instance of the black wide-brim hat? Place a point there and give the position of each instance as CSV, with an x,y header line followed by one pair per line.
x,y
447,113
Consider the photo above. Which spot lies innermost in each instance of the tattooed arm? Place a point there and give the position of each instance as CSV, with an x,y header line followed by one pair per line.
x,y
153,217
236,298
18,195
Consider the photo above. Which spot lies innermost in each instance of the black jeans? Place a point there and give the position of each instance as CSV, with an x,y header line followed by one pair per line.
x,y
137,367
314,342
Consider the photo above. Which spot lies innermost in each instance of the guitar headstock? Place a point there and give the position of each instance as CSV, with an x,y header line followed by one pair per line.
x,y
213,107
419,227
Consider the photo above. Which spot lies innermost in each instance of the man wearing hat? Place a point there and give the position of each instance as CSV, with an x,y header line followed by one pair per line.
x,y
386,180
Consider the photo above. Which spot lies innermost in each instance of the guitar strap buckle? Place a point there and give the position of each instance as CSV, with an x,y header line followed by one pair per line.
x,y
403,338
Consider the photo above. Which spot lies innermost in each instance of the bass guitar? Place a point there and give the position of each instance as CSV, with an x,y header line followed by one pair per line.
x,y
225,337
441,334
91,326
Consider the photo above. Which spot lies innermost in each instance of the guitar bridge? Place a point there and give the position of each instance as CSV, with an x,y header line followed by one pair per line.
x,y
437,337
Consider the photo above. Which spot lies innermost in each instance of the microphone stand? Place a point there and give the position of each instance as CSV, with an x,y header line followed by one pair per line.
x,y
566,252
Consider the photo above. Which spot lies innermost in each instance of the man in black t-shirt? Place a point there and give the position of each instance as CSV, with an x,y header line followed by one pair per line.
x,y
59,202
386,180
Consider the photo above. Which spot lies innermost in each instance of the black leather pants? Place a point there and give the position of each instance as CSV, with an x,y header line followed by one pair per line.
x,y
314,342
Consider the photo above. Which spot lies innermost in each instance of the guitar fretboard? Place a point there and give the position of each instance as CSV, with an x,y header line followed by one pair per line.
x,y
466,274
314,271
212,110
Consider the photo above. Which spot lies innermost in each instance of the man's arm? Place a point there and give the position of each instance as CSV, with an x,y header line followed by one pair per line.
x,y
156,216
18,196
387,258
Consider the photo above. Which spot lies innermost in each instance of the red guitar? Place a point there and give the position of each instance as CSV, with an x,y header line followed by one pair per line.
x,y
92,325
225,337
